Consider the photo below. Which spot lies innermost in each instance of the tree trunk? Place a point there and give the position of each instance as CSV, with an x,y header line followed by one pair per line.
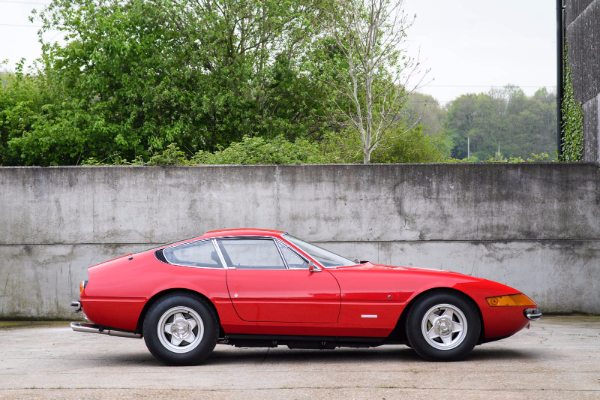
x,y
366,156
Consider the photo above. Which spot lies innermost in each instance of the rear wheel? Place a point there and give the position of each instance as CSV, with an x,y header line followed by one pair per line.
x,y
181,329
443,326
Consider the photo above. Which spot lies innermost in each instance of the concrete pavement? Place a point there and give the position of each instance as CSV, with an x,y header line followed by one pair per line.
x,y
558,358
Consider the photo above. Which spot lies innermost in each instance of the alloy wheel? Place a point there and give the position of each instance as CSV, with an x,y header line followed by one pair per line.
x,y
444,326
180,329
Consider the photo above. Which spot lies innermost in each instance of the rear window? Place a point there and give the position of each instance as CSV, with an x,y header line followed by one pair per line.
x,y
196,254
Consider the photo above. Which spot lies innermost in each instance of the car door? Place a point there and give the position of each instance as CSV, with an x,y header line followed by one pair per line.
x,y
265,287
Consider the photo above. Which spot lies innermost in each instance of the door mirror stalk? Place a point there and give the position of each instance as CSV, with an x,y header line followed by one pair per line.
x,y
312,267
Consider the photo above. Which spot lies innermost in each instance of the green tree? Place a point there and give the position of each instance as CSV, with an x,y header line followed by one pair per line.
x,y
427,110
402,146
502,123
136,75
23,101
371,89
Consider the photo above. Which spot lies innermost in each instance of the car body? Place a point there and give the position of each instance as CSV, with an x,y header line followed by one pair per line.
x,y
251,287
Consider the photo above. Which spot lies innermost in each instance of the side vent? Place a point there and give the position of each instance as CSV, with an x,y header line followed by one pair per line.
x,y
161,256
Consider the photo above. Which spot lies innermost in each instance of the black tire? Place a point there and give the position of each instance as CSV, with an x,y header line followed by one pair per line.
x,y
165,347
447,342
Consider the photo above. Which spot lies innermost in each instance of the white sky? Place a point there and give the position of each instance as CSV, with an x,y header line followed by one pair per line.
x,y
18,36
473,45
469,45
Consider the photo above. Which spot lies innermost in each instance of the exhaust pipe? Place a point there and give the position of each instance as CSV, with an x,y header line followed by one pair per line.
x,y
93,328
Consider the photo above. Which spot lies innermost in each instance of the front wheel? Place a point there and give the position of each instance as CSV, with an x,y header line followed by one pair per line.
x,y
180,329
443,326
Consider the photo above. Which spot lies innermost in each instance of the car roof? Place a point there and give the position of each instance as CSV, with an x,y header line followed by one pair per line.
x,y
242,232
224,233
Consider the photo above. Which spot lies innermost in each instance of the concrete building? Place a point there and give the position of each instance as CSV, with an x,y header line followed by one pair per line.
x,y
582,19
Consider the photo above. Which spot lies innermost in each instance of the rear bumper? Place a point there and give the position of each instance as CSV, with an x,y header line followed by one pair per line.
x,y
93,328
532,314
78,309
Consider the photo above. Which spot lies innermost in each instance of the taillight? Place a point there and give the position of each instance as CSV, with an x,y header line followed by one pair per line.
x,y
82,286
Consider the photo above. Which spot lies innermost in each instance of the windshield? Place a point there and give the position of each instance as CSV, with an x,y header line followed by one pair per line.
x,y
324,257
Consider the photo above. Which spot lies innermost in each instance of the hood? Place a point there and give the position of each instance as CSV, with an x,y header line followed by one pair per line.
x,y
417,280
431,272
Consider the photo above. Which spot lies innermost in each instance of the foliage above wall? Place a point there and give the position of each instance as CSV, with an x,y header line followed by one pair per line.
x,y
502,123
255,150
133,76
413,147
135,79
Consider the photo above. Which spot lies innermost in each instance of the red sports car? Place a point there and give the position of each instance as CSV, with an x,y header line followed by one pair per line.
x,y
263,288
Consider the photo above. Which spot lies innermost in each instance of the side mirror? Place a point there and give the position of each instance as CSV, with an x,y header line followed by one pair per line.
x,y
312,267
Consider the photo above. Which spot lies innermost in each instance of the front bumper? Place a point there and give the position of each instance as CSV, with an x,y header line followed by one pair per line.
x,y
76,305
77,309
532,314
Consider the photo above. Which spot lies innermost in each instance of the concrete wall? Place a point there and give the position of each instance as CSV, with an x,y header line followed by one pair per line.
x,y
583,37
532,226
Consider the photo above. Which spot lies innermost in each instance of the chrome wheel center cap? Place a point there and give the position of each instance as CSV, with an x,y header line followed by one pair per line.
x,y
444,326
180,329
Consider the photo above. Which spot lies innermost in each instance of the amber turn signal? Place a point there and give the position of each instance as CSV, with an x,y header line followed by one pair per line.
x,y
510,301
82,286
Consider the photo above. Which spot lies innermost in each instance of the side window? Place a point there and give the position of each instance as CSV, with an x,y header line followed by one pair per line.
x,y
294,261
197,254
251,253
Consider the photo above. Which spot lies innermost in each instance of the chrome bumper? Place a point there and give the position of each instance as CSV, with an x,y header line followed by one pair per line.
x,y
77,309
532,314
93,328
76,305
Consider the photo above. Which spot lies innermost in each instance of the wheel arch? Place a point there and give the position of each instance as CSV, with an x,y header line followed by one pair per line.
x,y
167,292
399,332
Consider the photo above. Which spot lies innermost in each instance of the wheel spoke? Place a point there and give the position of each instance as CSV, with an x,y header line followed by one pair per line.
x,y
432,334
457,327
448,313
175,341
178,316
447,339
168,328
192,323
190,338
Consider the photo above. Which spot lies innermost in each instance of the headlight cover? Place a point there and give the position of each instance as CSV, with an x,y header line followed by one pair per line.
x,y
512,300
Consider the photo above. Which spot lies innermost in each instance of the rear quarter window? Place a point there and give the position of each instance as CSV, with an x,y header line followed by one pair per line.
x,y
196,254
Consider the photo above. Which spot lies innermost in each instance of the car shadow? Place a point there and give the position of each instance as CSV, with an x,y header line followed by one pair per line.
x,y
386,354
381,354
482,354
285,355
